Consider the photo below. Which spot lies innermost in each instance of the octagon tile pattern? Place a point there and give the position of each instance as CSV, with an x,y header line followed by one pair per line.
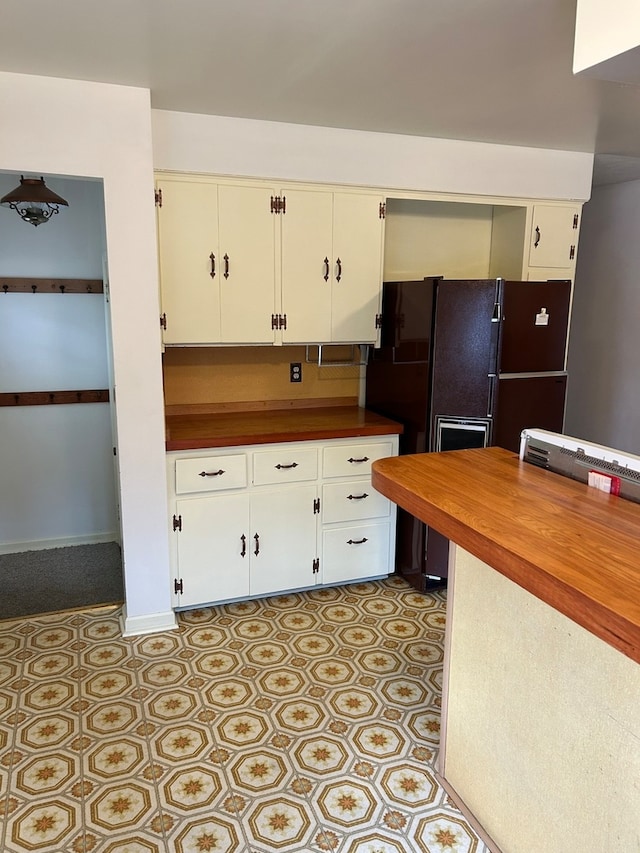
x,y
300,723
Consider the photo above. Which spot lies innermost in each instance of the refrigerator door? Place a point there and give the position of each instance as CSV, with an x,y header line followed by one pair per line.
x,y
535,317
466,327
398,381
529,402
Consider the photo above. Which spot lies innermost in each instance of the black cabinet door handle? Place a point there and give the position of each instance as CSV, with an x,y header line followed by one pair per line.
x,y
257,539
243,539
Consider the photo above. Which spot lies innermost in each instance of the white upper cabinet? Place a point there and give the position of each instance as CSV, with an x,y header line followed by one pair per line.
x,y
217,262
554,236
249,263
331,266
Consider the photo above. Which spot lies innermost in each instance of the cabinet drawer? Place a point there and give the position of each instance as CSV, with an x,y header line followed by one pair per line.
x,y
353,459
285,465
351,501
211,473
351,553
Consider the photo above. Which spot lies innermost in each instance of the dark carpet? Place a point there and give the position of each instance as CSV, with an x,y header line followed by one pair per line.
x,y
56,579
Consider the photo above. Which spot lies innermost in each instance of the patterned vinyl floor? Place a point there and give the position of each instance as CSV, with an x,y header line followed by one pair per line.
x,y
306,722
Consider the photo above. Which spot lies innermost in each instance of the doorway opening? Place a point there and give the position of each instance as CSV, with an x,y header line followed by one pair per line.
x,y
59,520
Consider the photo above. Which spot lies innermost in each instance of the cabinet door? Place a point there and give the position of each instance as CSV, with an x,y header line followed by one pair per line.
x,y
307,266
285,524
247,274
211,563
356,267
554,236
187,237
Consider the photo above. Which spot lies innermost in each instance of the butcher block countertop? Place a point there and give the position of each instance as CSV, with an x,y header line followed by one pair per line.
x,y
228,429
576,548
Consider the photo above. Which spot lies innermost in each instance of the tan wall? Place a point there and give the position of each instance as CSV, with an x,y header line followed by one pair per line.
x,y
215,375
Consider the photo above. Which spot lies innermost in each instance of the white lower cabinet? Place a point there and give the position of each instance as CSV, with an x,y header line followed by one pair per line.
x,y
258,520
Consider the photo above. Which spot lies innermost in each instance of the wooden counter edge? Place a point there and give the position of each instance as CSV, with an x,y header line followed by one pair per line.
x,y
240,439
595,617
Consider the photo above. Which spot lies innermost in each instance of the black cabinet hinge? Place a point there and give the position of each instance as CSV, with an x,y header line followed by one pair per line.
x,y
382,210
316,506
278,321
572,253
163,322
158,198
316,566
177,586
177,522
378,321
278,204
576,219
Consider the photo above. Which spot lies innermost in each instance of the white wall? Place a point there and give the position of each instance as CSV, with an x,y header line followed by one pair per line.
x,y
603,400
56,461
607,37
104,131
231,146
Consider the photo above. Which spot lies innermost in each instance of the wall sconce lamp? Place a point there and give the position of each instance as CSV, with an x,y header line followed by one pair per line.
x,y
33,201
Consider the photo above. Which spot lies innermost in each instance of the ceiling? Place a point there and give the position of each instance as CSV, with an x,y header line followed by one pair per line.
x,y
484,70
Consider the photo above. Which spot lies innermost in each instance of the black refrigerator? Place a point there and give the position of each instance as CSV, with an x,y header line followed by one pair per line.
x,y
465,363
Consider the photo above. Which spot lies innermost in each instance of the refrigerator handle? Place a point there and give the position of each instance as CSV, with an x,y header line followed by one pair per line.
x,y
491,399
495,317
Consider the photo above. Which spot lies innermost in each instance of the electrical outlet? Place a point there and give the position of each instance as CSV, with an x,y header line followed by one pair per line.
x,y
295,371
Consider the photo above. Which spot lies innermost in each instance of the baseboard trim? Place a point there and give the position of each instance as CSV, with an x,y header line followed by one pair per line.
x,y
64,542
134,626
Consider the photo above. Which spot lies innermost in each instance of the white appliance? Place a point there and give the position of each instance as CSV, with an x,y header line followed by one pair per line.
x,y
604,468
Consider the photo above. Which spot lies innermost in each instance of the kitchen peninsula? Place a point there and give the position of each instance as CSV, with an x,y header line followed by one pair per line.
x,y
541,696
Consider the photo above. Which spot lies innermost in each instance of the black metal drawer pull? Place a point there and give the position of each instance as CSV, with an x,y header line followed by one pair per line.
x,y
211,473
339,265
326,269
226,266
357,541
364,459
286,467
357,497
213,265
243,539
257,538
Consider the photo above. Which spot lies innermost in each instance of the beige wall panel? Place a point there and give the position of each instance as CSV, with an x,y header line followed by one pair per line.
x,y
198,375
436,238
542,722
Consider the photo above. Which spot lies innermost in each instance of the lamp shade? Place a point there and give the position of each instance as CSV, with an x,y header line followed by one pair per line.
x,y
33,201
